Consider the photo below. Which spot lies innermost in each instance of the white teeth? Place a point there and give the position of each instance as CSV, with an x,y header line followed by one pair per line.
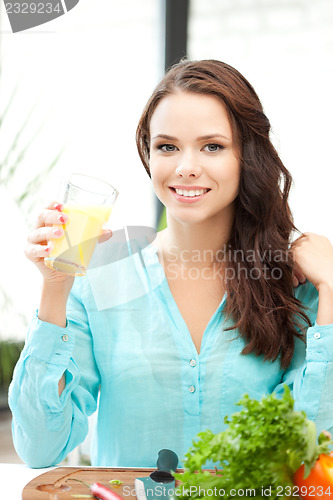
x,y
191,193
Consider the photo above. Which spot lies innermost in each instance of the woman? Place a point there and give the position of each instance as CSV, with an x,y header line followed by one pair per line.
x,y
169,342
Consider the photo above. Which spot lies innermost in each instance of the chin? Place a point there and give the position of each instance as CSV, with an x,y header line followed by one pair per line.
x,y
188,218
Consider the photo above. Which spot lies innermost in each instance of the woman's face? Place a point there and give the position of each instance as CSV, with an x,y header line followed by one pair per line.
x,y
193,163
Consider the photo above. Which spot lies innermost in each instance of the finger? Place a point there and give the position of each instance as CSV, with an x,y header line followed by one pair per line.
x,y
294,280
45,233
297,273
48,217
300,276
51,208
105,236
55,205
36,252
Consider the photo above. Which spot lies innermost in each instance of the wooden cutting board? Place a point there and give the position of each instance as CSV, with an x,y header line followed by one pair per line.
x,y
58,484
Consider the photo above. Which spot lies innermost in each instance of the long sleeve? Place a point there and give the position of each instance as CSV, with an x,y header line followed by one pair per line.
x,y
47,427
317,378
310,375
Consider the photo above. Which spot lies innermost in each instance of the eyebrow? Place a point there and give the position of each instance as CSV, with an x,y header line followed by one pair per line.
x,y
201,138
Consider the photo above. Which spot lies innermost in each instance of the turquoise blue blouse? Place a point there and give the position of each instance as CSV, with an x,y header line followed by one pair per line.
x,y
127,351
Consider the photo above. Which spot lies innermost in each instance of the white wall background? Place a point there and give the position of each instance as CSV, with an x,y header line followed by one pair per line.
x,y
92,70
285,49
90,73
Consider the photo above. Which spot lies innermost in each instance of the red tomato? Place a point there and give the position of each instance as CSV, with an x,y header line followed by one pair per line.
x,y
319,483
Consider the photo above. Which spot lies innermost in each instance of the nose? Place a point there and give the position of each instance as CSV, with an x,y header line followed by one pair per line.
x,y
188,167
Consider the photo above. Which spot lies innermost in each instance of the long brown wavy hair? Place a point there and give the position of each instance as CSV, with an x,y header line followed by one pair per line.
x,y
264,309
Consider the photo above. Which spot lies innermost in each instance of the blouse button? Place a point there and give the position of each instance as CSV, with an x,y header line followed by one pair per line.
x,y
193,362
317,335
64,338
192,388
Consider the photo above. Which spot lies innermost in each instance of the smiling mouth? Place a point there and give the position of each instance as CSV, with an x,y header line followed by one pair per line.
x,y
190,193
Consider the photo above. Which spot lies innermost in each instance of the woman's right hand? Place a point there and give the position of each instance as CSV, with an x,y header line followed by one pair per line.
x,y
48,227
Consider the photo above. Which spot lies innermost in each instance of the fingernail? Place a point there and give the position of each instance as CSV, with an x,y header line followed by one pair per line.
x,y
58,206
63,219
47,249
58,232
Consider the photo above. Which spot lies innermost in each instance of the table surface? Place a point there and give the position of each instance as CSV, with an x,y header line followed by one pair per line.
x,y
13,478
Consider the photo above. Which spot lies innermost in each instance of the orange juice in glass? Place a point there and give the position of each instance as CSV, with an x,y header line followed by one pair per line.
x,y
88,203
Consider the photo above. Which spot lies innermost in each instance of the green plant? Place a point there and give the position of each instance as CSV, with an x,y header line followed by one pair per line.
x,y
9,355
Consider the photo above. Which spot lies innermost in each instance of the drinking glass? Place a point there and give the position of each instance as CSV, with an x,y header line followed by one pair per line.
x,y
88,202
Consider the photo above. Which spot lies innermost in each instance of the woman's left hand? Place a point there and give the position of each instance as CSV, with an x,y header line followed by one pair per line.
x,y
313,257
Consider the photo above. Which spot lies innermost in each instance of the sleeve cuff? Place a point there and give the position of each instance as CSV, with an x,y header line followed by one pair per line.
x,y
49,342
320,343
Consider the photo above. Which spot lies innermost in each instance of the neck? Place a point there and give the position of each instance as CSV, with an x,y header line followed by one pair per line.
x,y
199,244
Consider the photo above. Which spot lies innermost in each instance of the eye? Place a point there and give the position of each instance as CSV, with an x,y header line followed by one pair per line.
x,y
213,147
167,148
